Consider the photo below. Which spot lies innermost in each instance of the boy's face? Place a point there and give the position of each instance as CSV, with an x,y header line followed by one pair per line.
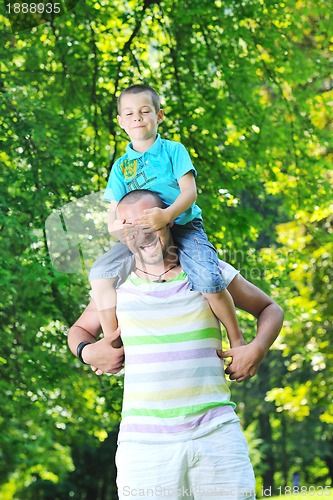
x,y
137,116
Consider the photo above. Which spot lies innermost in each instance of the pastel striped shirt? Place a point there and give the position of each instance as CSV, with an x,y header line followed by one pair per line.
x,y
174,385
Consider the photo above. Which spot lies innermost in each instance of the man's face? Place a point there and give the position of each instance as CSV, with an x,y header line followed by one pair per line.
x,y
148,248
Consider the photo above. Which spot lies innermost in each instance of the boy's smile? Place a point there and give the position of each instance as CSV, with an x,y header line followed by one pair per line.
x,y
139,119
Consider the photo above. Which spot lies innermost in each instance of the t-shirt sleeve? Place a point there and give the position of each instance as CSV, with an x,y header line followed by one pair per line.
x,y
115,188
228,271
181,161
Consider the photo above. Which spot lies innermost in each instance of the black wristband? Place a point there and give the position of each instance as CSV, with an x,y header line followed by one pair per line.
x,y
79,350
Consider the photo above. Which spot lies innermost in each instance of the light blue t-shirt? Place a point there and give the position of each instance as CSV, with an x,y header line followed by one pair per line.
x,y
157,169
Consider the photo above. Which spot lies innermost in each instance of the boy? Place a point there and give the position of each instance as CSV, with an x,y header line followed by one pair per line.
x,y
164,167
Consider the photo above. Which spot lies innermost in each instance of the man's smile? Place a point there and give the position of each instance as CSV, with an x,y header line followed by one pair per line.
x,y
150,246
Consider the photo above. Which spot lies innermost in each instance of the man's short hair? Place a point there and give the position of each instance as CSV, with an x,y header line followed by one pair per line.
x,y
138,194
139,89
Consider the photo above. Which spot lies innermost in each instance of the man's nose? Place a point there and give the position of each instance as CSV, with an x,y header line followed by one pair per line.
x,y
137,117
141,233
144,235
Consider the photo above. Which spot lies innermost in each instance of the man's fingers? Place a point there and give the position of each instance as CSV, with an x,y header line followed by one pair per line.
x,y
224,354
117,368
97,371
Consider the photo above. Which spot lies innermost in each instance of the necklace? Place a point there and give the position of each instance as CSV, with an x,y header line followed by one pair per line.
x,y
158,276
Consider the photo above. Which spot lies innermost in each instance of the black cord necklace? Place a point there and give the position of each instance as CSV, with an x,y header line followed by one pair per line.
x,y
158,276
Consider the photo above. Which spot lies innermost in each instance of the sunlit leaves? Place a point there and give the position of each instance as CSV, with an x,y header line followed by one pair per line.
x,y
247,87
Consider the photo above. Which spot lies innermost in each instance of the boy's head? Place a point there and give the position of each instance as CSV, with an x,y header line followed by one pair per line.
x,y
139,89
139,114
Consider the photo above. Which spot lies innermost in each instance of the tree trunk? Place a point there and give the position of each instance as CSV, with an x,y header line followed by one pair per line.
x,y
268,455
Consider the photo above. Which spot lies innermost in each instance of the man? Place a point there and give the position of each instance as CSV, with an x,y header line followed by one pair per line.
x,y
179,435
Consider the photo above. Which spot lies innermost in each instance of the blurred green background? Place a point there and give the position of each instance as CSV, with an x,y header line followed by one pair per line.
x,y
247,88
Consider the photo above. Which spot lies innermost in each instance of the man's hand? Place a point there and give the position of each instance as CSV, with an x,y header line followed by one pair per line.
x,y
105,355
244,363
153,219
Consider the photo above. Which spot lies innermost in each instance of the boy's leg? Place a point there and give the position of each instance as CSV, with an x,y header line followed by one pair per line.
x,y
199,260
108,272
104,295
223,307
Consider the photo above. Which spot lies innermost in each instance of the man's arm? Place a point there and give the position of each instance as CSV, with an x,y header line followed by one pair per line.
x,y
246,359
105,355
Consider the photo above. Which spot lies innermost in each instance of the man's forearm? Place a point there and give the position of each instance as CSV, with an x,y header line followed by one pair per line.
x,y
78,334
270,322
106,354
86,328
268,313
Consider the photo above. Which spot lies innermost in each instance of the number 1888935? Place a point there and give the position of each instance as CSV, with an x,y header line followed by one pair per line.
x,y
33,8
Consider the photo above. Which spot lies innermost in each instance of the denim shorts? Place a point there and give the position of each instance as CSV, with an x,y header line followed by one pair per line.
x,y
198,258
116,263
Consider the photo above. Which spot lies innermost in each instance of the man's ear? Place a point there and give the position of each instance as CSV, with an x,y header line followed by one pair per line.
x,y
171,224
160,116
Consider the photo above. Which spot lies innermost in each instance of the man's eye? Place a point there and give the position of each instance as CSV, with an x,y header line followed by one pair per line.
x,y
129,114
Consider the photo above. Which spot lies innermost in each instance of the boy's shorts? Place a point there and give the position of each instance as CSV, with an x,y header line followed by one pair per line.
x,y
198,258
116,263
213,467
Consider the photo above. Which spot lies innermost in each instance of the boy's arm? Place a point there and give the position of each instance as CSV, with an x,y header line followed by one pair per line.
x,y
114,224
112,215
246,359
156,218
187,196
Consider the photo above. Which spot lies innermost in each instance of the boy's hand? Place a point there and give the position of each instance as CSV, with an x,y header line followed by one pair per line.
x,y
121,230
153,219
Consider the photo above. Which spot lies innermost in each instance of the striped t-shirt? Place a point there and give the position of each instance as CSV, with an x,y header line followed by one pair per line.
x,y
174,385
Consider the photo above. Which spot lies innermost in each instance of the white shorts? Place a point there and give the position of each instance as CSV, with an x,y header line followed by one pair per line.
x,y
215,466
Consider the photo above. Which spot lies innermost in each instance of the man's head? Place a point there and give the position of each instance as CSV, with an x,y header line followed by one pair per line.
x,y
139,114
148,247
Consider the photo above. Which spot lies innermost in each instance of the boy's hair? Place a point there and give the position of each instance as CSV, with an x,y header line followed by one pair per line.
x,y
139,89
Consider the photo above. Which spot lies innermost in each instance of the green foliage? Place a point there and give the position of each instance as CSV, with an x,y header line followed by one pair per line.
x,y
247,87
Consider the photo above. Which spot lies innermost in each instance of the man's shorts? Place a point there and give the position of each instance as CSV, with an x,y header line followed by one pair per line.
x,y
213,467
